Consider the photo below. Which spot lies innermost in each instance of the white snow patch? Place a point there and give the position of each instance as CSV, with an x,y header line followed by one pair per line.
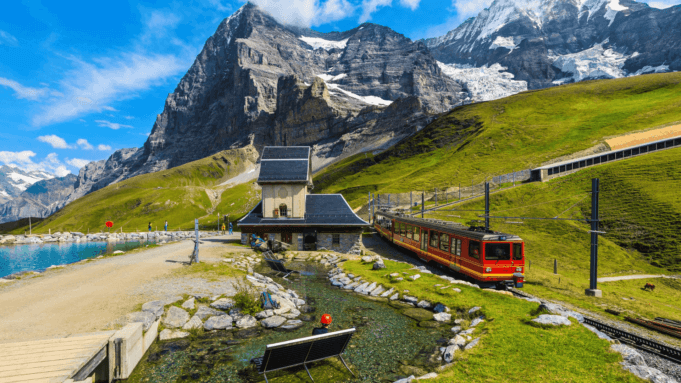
x,y
317,43
485,83
650,69
504,42
593,63
613,7
23,179
2,192
372,100
339,77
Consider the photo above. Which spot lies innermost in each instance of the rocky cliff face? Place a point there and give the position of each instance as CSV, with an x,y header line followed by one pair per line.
x,y
39,200
14,181
552,42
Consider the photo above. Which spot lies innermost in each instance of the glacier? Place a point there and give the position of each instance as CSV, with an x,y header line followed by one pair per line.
x,y
485,83
316,43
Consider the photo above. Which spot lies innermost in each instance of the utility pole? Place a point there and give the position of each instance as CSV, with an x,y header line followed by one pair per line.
x,y
459,191
486,206
593,289
411,200
435,196
30,230
423,203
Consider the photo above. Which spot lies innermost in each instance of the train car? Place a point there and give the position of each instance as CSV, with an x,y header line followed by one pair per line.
x,y
490,258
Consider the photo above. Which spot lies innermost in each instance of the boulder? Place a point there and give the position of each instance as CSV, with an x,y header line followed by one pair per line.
x,y
631,356
223,304
439,308
292,324
377,291
154,307
273,321
170,334
414,277
424,304
361,287
554,320
282,310
386,294
474,309
220,322
410,299
429,375
442,317
458,341
145,317
476,321
394,296
118,252
472,344
456,329
367,259
175,317
448,355
650,374
418,314
188,304
246,321
264,314
378,265
204,312
406,380
368,289
193,323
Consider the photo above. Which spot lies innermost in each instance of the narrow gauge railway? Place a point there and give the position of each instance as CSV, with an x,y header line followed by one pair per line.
x,y
490,258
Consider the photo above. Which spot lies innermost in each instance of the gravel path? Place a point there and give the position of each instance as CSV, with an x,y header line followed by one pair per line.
x,y
627,277
90,296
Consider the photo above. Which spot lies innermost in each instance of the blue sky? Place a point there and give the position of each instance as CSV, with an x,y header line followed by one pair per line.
x,y
80,79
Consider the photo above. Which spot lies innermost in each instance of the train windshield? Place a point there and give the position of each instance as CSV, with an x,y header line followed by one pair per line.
x,y
498,251
518,251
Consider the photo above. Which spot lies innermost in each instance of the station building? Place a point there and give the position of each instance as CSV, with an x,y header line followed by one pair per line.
x,y
290,214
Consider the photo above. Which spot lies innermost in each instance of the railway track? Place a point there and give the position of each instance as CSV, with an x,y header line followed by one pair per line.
x,y
670,353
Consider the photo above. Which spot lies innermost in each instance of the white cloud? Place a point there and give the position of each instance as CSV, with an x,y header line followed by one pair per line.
x,y
112,125
84,144
413,4
664,3
371,6
24,160
129,117
54,140
24,92
17,158
217,4
91,86
77,162
469,8
306,13
7,39
103,147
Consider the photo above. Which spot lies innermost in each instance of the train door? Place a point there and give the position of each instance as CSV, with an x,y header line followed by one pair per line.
x,y
424,240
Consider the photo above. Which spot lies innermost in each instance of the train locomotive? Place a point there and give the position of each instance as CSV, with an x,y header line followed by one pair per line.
x,y
490,258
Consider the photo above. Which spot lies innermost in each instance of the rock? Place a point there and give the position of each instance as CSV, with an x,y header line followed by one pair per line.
x,y
448,355
472,344
456,290
468,332
193,323
560,310
424,304
220,322
458,341
154,307
418,314
274,321
555,320
307,309
247,333
428,324
406,380
439,308
442,317
377,291
598,333
410,299
145,317
292,324
351,286
175,317
429,375
172,300
204,312
246,321
361,287
170,334
474,309
395,275
367,259
476,321
188,304
264,314
648,373
394,296
308,318
456,329
414,277
385,294
118,252
282,310
223,304
378,265
368,289
631,356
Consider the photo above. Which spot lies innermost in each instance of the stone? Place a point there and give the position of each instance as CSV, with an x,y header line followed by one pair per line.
x,y
472,344
273,321
399,279
175,317
631,356
474,309
424,304
458,341
418,314
292,324
429,375
308,318
385,294
598,333
307,309
377,291
448,355
468,332
395,275
560,310
154,307
378,265
406,380
220,322
439,308
368,289
204,312
650,374
394,296
170,334
555,320
456,329
367,259
146,318
281,310
193,323
361,287
476,321
171,300
442,317
118,252
246,321
188,304
223,304
264,314
410,299
414,277
456,290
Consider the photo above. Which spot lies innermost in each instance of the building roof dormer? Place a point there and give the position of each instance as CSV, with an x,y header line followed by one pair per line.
x,y
285,165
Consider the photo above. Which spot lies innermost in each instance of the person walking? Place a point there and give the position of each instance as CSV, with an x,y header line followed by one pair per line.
x,y
230,229
166,226
150,227
326,322
223,228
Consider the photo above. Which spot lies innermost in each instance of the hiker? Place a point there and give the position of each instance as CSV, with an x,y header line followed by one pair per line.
x,y
223,228
326,322
166,226
150,227
230,229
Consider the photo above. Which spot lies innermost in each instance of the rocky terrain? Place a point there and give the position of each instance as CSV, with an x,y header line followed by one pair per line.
x,y
39,200
14,181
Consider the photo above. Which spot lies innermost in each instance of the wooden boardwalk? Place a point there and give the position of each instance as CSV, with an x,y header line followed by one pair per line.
x,y
52,360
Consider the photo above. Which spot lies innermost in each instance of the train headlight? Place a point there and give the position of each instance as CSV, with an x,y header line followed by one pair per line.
x,y
518,269
488,270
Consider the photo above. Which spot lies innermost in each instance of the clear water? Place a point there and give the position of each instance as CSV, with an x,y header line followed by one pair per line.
x,y
37,257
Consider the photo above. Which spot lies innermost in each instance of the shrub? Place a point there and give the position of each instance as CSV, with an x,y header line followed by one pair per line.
x,y
246,298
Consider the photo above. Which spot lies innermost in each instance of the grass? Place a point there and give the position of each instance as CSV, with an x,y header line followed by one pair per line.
x,y
510,348
178,195
641,218
210,271
476,141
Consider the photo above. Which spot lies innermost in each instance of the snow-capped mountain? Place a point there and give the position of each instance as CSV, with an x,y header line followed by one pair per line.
x,y
553,42
14,181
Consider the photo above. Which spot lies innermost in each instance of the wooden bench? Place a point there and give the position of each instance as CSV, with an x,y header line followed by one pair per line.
x,y
279,356
278,266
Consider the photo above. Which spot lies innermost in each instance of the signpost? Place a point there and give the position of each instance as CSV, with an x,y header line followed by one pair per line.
x,y
195,256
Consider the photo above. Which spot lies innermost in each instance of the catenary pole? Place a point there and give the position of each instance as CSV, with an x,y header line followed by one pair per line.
x,y
486,205
593,280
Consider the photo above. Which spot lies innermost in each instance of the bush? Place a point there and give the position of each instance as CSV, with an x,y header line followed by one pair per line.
x,y
246,298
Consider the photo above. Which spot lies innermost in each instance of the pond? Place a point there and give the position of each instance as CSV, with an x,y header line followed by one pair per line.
x,y
37,257
386,345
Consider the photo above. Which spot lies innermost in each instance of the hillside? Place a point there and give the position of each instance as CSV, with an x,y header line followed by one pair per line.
x,y
178,195
480,140
640,216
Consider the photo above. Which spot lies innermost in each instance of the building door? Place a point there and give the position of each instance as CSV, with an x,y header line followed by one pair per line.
x,y
310,240
286,238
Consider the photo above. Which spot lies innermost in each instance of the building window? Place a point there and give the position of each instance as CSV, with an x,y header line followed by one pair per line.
x,y
283,211
335,239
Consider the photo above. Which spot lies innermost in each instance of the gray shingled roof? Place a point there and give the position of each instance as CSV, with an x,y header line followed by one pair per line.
x,y
286,152
283,171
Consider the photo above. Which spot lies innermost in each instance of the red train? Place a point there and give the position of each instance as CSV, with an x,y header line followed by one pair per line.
x,y
490,258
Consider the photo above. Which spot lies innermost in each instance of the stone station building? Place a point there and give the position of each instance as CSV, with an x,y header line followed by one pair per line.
x,y
288,213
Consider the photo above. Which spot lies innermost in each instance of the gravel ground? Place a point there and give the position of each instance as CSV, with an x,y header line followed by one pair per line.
x,y
669,368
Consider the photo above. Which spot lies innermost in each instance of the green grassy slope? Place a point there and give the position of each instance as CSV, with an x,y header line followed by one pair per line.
x,y
178,195
641,215
518,132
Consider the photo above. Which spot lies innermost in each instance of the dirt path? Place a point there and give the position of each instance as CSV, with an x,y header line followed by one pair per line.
x,y
89,297
626,277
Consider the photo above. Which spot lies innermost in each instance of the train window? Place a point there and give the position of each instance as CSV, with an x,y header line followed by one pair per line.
x,y
409,231
417,231
518,251
458,247
497,251
434,239
398,228
403,228
444,242
474,249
